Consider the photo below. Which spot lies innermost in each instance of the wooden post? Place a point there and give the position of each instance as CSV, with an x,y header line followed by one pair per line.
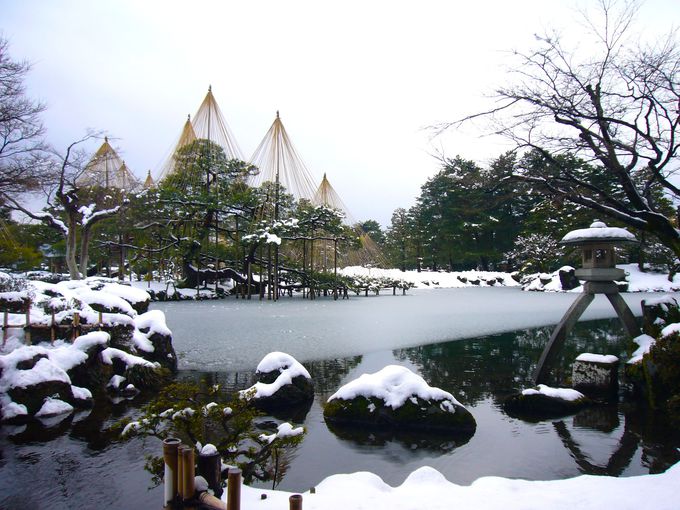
x,y
76,325
209,467
295,502
234,489
53,333
335,269
28,324
99,324
5,322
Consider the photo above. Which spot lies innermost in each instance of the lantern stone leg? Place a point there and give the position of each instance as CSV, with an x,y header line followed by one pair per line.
x,y
559,335
625,314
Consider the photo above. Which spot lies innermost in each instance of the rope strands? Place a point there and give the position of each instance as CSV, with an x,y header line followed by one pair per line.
x,y
278,161
106,169
208,124
327,196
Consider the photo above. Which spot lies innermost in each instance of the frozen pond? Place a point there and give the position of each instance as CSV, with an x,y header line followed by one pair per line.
x,y
77,463
236,334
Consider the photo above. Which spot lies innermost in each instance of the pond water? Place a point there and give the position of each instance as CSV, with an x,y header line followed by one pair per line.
x,y
77,464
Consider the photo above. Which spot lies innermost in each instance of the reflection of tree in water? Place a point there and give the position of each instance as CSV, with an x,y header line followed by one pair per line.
x,y
328,374
500,364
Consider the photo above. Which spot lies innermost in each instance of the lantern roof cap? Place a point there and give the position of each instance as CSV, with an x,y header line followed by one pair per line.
x,y
598,232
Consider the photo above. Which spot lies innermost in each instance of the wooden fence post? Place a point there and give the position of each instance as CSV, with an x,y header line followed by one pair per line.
x,y
295,502
5,322
28,323
234,489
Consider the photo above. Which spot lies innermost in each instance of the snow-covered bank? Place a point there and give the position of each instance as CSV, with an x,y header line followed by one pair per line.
x,y
435,279
427,488
636,279
86,334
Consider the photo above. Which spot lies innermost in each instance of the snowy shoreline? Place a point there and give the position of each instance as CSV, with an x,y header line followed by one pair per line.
x,y
427,488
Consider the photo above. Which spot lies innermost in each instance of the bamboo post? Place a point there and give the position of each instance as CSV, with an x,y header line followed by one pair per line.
x,y
99,324
211,502
180,472
53,332
28,324
188,473
170,446
295,502
234,489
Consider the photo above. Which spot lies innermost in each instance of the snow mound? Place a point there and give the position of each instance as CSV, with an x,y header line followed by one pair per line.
x,y
561,393
427,488
393,384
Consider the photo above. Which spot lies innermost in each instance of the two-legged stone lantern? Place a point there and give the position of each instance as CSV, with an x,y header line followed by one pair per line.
x,y
600,273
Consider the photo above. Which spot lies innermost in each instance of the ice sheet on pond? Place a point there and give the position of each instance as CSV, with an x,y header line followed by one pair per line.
x,y
236,334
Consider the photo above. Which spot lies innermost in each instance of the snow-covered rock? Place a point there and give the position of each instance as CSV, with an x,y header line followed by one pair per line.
x,y
398,398
281,382
120,343
544,401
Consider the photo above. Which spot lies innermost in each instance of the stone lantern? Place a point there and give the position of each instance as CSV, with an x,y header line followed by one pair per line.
x,y
599,271
598,254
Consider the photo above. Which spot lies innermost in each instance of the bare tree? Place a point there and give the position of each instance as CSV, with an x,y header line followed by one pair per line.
x,y
609,99
72,210
22,158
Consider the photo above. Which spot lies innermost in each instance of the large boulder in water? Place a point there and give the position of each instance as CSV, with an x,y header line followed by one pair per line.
x,y
397,398
282,382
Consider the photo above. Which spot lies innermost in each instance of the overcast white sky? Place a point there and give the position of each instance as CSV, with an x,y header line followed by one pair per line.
x,y
356,82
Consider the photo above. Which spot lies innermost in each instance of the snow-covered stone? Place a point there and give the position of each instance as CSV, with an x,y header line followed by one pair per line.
x,y
544,402
398,398
281,382
595,374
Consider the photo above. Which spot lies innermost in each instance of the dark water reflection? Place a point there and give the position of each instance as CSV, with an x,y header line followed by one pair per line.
x,y
76,463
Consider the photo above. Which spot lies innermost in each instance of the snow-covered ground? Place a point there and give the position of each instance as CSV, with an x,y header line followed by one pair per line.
x,y
637,280
427,488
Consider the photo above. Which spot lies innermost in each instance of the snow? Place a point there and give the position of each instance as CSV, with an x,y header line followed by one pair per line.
x,y
43,371
283,430
13,410
81,393
393,384
154,321
209,449
111,353
597,358
288,368
128,293
53,407
645,343
597,231
427,488
85,342
670,329
434,279
109,301
115,382
561,393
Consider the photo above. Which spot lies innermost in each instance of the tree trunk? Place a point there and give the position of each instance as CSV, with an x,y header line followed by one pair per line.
x,y
71,248
84,249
